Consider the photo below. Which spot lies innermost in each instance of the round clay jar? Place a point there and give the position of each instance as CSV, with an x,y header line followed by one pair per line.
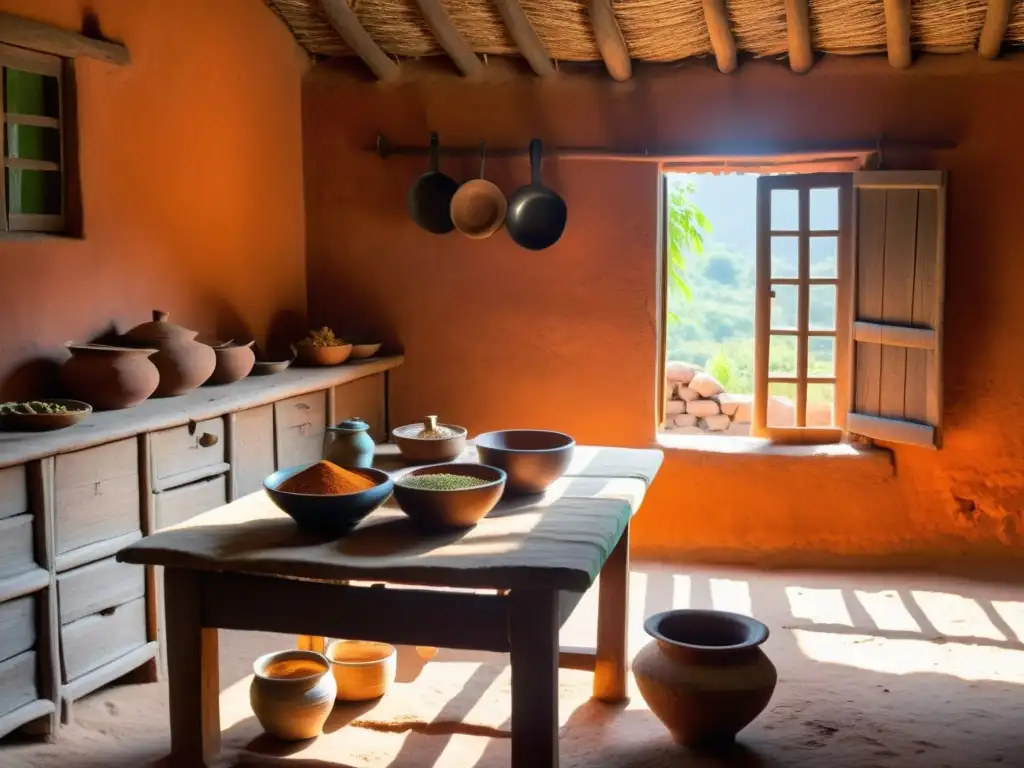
x,y
183,362
109,378
705,675
292,693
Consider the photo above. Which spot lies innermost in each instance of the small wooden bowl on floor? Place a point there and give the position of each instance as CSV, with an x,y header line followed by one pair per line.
x,y
46,422
363,670
335,514
451,509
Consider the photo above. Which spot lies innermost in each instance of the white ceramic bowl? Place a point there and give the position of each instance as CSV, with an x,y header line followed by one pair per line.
x,y
362,669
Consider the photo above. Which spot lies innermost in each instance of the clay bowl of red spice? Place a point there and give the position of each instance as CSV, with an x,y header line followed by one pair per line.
x,y
324,498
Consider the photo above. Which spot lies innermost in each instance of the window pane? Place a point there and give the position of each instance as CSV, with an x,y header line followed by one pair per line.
x,y
33,143
823,307
33,191
785,209
782,355
821,356
28,93
824,209
821,405
781,405
824,256
784,303
785,257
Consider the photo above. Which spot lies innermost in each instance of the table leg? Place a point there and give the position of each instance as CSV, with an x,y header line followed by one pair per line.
x,y
533,635
193,674
610,671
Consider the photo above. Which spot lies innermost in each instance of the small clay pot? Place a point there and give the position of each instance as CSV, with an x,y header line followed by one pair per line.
x,y
363,670
292,693
234,362
429,450
109,378
183,362
705,675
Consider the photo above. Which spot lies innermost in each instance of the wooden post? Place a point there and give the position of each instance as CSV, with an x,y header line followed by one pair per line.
x,y
610,41
722,42
533,635
798,29
525,37
345,23
41,477
610,672
36,36
454,44
997,17
897,32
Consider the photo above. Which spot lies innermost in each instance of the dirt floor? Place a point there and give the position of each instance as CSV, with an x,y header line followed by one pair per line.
x,y
874,670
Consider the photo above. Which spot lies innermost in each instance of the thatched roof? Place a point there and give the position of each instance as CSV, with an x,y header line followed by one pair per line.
x,y
669,30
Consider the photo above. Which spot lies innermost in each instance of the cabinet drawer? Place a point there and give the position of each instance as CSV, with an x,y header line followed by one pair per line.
x,y
17,626
300,423
96,640
253,457
96,494
16,545
177,506
183,454
98,586
13,491
18,682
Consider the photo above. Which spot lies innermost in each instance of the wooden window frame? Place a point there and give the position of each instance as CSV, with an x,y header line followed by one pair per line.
x,y
51,66
803,183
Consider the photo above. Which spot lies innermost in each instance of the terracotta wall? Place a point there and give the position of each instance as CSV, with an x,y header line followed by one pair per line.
x,y
191,182
501,337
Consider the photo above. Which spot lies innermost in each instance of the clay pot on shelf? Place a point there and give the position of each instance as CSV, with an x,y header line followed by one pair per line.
x,y
292,693
183,362
705,675
234,362
109,378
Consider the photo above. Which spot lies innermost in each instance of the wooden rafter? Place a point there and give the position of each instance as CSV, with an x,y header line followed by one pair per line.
x,y
27,33
897,32
997,17
454,44
345,23
798,28
610,40
722,42
525,37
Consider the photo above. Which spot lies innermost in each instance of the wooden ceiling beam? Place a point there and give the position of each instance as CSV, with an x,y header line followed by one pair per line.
x,y
722,43
610,40
28,33
525,37
345,23
897,32
798,31
450,38
997,18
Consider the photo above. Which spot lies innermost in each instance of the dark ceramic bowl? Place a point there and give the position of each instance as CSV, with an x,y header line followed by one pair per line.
x,y
336,515
533,458
46,422
445,510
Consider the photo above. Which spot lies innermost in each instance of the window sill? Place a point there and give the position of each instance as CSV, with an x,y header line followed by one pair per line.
x,y
29,237
750,447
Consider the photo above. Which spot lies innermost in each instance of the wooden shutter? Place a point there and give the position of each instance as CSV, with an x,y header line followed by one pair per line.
x,y
900,266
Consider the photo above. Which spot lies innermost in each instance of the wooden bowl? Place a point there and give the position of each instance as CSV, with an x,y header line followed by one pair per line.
x,y
335,515
416,450
447,510
362,351
46,422
308,355
363,670
533,458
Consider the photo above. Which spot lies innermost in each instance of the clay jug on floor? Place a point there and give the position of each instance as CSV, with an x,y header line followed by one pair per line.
x,y
292,693
109,378
705,675
183,362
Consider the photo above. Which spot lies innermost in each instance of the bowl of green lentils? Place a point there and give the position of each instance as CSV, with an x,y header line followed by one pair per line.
x,y
42,415
449,496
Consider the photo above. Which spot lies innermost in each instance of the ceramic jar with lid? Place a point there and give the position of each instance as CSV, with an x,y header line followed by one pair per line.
x,y
183,362
349,444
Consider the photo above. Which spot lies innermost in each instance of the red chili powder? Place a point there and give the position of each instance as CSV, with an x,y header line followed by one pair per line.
x,y
326,479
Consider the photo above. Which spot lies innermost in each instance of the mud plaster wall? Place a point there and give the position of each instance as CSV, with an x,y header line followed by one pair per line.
x,y
191,166
500,337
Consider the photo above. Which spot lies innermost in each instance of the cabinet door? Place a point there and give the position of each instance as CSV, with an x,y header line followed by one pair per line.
x,y
300,425
363,398
253,456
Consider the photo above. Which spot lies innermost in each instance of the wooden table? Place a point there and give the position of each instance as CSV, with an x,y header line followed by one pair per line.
x,y
506,585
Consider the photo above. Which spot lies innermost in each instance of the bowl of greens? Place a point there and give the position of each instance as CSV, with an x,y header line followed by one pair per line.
x,y
449,496
42,415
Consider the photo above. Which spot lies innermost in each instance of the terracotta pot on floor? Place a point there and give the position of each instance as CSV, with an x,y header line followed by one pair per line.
x,y
292,693
705,675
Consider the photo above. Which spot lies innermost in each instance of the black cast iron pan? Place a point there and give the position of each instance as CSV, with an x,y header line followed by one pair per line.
x,y
536,215
430,197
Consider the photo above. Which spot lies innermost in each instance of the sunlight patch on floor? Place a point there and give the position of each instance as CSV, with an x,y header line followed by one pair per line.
x,y
1012,613
956,615
822,606
731,595
887,610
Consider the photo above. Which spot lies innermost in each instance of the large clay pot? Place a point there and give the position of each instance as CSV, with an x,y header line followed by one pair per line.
x,y
292,693
109,378
183,362
705,675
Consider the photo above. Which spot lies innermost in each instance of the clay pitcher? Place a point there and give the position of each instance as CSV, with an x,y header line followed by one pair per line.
x,y
183,362
705,675
109,378
292,693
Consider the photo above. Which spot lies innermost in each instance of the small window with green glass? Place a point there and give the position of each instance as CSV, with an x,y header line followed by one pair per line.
x,y
30,103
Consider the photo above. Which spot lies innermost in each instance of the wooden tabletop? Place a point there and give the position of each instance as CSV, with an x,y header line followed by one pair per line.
x,y
557,540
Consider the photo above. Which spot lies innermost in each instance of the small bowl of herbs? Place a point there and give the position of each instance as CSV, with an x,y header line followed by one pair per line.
x,y
449,496
322,347
42,415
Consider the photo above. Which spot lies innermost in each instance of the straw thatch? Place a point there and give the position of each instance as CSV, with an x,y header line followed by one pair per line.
x,y
655,30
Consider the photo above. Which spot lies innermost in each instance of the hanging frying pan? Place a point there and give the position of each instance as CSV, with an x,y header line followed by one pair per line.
x,y
536,215
478,208
430,197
